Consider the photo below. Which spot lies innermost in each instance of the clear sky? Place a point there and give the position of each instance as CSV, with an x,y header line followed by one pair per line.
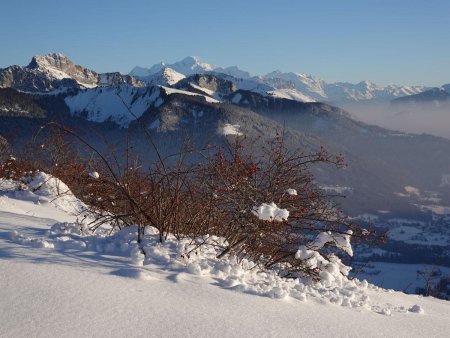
x,y
386,41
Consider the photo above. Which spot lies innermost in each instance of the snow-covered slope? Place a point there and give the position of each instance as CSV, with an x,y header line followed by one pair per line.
x,y
291,94
58,66
320,90
170,91
296,86
112,103
188,66
438,95
164,77
55,71
120,104
59,279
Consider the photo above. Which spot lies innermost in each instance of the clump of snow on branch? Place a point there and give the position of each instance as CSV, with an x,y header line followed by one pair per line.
x,y
270,212
341,241
94,174
332,270
291,192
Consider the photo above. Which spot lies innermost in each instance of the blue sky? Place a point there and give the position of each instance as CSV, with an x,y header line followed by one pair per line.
x,y
386,41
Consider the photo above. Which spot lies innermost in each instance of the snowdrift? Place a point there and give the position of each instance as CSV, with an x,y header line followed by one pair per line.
x,y
194,276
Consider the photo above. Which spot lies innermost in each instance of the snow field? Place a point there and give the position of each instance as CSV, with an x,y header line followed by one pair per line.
x,y
61,279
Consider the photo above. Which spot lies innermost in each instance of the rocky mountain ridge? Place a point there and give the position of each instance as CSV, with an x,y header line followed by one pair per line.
x,y
296,86
54,71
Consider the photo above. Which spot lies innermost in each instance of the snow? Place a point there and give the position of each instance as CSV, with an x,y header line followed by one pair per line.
x,y
291,94
60,279
403,277
310,87
420,233
43,189
412,190
170,91
231,129
205,90
188,66
164,77
49,63
342,241
336,189
105,104
94,174
172,76
437,209
291,192
331,269
270,212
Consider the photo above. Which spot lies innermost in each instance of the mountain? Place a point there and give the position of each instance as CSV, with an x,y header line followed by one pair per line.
x,y
233,71
391,178
398,181
165,77
436,96
203,105
382,162
319,90
208,84
55,71
290,85
189,66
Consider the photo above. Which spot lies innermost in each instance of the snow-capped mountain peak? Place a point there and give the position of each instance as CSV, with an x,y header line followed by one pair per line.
x,y
171,75
191,60
335,92
191,65
56,72
58,66
53,60
166,76
307,85
233,71
187,66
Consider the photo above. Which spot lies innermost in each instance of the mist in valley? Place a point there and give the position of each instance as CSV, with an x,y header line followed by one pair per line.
x,y
428,118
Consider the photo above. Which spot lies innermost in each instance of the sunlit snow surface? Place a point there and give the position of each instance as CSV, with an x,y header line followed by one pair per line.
x,y
121,105
60,279
231,129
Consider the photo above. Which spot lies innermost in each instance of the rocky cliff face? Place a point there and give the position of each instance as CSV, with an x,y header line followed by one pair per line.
x,y
210,84
55,71
59,66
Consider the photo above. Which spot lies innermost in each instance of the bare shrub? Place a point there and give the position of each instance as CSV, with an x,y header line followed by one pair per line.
x,y
219,195
237,182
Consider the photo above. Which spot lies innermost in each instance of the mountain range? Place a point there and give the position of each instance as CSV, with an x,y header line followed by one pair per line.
x,y
195,99
437,96
55,71
292,85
